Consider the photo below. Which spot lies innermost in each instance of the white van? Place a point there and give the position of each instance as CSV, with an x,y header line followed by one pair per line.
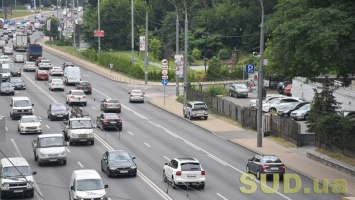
x,y
20,106
71,75
5,70
16,178
2,43
87,184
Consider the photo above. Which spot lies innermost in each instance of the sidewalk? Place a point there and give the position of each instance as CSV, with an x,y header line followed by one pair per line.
x,y
294,159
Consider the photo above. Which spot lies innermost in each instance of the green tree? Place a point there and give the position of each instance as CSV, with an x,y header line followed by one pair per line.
x,y
310,38
214,68
155,47
53,33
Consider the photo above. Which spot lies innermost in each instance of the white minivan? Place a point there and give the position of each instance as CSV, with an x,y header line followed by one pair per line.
x,y
71,75
87,184
16,178
20,106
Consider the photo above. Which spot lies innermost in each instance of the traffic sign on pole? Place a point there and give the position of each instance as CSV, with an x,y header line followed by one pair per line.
x,y
164,81
250,68
164,62
164,77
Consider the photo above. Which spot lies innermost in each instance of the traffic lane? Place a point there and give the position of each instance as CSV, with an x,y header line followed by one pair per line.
x,y
95,161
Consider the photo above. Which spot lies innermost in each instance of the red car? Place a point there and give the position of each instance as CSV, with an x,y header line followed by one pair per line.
x,y
288,89
42,75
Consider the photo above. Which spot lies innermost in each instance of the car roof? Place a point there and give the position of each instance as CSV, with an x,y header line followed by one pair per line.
x,y
15,161
86,174
184,160
77,90
117,150
196,102
108,114
50,135
57,104
20,98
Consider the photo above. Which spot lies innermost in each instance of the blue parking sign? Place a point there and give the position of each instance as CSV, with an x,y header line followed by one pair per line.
x,y
250,68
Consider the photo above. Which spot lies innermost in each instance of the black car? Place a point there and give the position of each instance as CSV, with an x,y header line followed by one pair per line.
x,y
109,120
84,86
17,83
286,111
281,86
15,71
57,111
266,164
118,163
67,64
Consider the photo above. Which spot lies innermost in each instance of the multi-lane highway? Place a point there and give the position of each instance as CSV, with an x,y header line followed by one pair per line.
x,y
150,134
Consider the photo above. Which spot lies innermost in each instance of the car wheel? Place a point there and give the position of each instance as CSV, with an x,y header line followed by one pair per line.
x,y
64,162
102,167
183,113
202,186
248,169
190,116
102,127
50,118
39,163
164,177
120,129
306,117
173,183
31,194
85,103
272,110
35,156
92,142
281,177
258,175
206,118
108,172
70,143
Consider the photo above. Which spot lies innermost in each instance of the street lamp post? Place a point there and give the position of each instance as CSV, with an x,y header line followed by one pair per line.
x,y
177,44
146,45
260,79
185,54
98,24
132,28
205,59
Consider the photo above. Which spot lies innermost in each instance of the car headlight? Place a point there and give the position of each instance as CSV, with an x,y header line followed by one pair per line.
x,y
42,154
133,167
104,197
29,184
40,126
5,186
112,168
63,153
22,126
23,84
53,113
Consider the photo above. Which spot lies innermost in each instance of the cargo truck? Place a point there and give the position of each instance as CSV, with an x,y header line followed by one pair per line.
x,y
20,43
34,51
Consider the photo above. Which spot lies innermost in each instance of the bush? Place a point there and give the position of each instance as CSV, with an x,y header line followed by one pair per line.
x,y
216,90
196,54
224,54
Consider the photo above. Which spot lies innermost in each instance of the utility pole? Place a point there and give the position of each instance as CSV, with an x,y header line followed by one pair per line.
x,y
177,49
98,19
185,55
146,46
260,80
132,27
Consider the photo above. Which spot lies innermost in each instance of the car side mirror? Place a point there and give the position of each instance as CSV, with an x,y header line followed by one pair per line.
x,y
33,104
34,173
66,143
10,105
133,158
19,121
106,186
249,160
166,164
129,93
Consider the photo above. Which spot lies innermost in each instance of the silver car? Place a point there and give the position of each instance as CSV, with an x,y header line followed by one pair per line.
x,y
136,96
302,113
7,88
56,84
29,67
19,59
238,90
195,109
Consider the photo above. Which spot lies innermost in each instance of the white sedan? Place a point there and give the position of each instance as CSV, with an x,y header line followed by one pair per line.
x,y
29,67
29,124
56,71
76,96
56,84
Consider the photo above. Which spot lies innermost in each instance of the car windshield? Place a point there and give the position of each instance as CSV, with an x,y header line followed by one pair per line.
x,y
113,101
273,100
78,93
89,184
81,124
136,92
29,119
51,141
16,80
22,103
305,107
240,86
291,105
19,56
200,106
45,61
111,116
30,63
58,107
271,159
57,80
5,70
119,156
190,167
3,85
84,83
16,171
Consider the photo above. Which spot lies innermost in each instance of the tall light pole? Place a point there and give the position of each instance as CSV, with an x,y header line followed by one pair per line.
x,y
146,45
177,44
185,54
132,28
260,79
98,24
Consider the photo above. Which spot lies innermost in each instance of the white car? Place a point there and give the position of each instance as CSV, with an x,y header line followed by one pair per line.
x,y
184,171
252,103
29,67
29,124
4,59
76,96
278,103
45,65
56,71
56,84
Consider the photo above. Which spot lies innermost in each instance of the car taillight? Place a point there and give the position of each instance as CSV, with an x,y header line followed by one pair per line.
x,y
282,167
52,83
71,97
105,121
89,86
84,96
142,95
178,173
203,173
120,121
131,95
106,105
80,86
265,166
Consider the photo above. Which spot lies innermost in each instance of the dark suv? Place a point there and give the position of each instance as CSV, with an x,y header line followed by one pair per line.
x,y
195,109
265,164
84,86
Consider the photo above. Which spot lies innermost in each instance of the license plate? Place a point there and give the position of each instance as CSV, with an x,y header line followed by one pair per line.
x,y
274,168
123,172
191,175
18,191
52,160
59,115
113,122
82,140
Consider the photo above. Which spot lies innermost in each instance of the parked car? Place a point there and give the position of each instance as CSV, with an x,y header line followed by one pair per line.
x,y
56,71
275,104
302,113
29,124
110,105
118,163
195,109
287,110
252,103
136,96
29,67
41,75
184,171
281,86
18,83
76,96
56,84
238,90
7,51
6,88
288,90
109,120
84,86
15,71
57,111
265,164
67,64
19,59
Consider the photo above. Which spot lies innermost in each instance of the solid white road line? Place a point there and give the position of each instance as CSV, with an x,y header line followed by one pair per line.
x,y
147,144
221,196
6,128
82,166
166,158
130,133
67,149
